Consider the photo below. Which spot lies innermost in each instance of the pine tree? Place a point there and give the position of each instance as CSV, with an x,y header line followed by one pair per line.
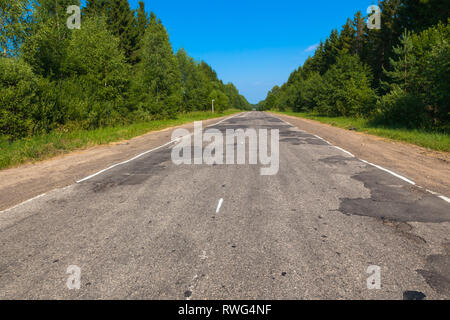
x,y
142,20
122,24
380,42
404,67
360,40
95,7
347,37
418,15
331,50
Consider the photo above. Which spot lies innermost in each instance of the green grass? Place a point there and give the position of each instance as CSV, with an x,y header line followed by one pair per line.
x,y
59,142
432,140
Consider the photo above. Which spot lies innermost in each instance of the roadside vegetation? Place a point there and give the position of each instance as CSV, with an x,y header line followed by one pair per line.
x,y
114,78
439,141
393,82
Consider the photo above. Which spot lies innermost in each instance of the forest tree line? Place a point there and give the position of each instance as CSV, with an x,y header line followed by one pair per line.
x,y
118,68
398,75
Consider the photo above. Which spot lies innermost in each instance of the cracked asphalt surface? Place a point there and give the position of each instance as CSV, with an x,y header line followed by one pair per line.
x,y
148,229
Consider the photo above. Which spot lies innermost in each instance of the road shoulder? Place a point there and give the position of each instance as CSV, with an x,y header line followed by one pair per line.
x,y
30,180
428,169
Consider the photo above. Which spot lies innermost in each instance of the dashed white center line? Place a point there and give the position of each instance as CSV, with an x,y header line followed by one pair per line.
x,y
219,205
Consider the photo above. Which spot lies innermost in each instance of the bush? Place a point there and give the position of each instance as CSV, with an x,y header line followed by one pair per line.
x,y
346,89
421,67
97,77
220,100
401,109
17,97
312,88
47,113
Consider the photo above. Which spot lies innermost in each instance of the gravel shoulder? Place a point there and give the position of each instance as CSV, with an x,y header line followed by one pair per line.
x,y
30,180
427,168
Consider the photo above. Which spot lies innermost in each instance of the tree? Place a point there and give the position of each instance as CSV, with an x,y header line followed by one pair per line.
x,y
45,47
419,88
271,101
120,21
360,40
347,89
317,62
17,97
97,75
220,100
312,89
142,20
418,15
433,62
14,22
331,50
118,68
381,42
157,86
404,67
347,37
349,69
194,84
236,100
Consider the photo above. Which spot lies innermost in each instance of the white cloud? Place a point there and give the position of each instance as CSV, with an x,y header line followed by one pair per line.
x,y
312,48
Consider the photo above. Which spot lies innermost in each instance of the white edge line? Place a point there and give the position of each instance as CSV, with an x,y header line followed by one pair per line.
x,y
34,198
379,167
219,205
110,167
439,195
389,171
376,166
345,151
221,200
26,201
126,161
144,153
215,124
322,139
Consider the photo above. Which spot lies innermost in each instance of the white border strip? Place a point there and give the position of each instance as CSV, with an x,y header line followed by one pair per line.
x,y
439,195
374,165
322,139
148,151
126,161
345,151
110,167
389,171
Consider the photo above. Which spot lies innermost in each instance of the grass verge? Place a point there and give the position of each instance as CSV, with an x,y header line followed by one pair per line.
x,y
432,140
45,146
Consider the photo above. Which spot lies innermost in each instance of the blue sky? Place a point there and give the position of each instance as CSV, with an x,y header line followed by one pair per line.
x,y
254,44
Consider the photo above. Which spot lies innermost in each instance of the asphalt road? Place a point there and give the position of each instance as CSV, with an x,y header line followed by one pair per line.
x,y
148,229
